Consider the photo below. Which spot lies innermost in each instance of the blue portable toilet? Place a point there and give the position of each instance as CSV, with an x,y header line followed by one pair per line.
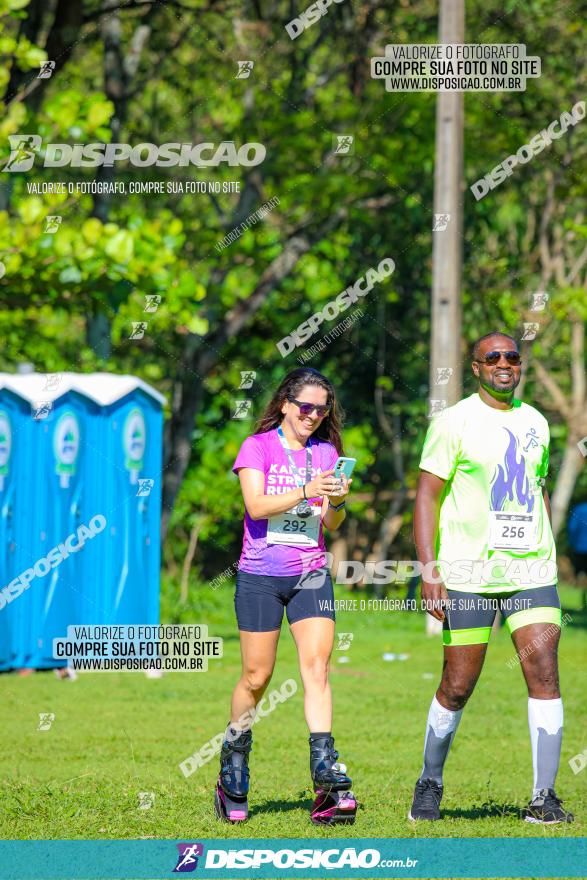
x,y
15,437
89,533
50,444
127,443
577,529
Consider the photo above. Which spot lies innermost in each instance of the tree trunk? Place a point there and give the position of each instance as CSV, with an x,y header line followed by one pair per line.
x,y
62,38
570,469
189,558
573,409
447,242
120,68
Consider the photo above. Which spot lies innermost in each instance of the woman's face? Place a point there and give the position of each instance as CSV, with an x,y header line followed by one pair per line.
x,y
305,425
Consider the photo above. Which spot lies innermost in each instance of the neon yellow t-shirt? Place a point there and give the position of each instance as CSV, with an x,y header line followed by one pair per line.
x,y
494,533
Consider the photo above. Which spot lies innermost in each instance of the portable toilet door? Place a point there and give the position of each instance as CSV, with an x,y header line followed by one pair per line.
x,y
16,493
59,584
126,488
135,427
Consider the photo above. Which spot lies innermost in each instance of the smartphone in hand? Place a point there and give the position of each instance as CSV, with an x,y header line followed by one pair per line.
x,y
344,466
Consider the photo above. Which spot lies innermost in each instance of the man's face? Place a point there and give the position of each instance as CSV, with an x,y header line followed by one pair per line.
x,y
498,376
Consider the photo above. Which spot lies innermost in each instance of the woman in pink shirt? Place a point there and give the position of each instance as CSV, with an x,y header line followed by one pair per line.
x,y
290,494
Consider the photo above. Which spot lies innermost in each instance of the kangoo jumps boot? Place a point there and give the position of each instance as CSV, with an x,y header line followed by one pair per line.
x,y
335,802
232,788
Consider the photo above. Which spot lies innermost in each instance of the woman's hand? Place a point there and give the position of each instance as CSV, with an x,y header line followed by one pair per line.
x,y
342,488
326,484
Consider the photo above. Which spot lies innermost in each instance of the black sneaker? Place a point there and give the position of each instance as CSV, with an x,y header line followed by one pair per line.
x,y
546,809
426,803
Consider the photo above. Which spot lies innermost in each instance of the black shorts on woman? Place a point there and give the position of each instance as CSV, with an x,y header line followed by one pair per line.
x,y
260,600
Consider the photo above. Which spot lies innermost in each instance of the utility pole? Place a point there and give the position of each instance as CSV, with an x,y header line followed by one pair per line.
x,y
445,342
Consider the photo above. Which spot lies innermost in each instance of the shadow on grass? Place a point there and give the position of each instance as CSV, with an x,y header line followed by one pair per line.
x,y
491,810
302,802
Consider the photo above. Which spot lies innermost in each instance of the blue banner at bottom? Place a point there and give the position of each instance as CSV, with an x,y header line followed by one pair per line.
x,y
275,858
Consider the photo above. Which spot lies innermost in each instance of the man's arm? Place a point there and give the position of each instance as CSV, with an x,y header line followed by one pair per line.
x,y
547,504
426,515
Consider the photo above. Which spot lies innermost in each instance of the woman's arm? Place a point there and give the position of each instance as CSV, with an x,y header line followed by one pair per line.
x,y
261,506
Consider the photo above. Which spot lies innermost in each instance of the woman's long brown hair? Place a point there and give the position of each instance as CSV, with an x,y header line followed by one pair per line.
x,y
330,427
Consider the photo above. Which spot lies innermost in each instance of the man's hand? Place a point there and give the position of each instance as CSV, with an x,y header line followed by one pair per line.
x,y
434,597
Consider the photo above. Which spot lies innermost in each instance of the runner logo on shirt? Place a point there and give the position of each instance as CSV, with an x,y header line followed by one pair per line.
x,y
510,478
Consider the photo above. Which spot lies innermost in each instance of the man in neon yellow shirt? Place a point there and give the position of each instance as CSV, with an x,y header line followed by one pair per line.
x,y
483,534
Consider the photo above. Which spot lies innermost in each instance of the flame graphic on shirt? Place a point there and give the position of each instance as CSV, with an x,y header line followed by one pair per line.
x,y
511,477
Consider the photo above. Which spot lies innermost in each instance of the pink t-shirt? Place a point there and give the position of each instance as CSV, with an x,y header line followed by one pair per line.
x,y
264,452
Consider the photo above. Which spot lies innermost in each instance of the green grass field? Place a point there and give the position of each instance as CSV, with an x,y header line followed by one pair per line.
x,y
117,734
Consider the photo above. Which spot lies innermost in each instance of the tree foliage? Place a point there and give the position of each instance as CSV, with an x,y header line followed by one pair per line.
x,y
167,72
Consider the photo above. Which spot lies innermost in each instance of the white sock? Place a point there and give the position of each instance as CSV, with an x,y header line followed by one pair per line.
x,y
440,730
545,720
